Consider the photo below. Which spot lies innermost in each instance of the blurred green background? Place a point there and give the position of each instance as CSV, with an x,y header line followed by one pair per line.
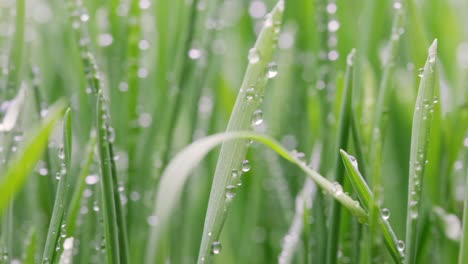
x,y
171,71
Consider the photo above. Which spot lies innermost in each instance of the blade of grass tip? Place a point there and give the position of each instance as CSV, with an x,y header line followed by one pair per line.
x,y
55,226
16,52
342,142
244,115
463,254
180,167
24,161
421,129
80,186
107,184
366,197
30,248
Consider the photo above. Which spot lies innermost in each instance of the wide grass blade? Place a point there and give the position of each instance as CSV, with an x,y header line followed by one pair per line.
x,y
179,169
23,163
366,197
420,134
61,198
244,115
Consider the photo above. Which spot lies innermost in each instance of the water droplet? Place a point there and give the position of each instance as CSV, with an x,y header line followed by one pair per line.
x,y
272,70
152,220
253,56
216,247
337,189
63,169
245,167
250,94
58,176
235,173
61,153
432,57
331,8
333,25
397,5
43,171
400,245
421,72
84,17
230,192
385,213
194,54
257,117
353,161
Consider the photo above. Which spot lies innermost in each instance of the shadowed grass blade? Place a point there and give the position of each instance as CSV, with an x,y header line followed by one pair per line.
x,y
420,134
24,162
366,197
53,234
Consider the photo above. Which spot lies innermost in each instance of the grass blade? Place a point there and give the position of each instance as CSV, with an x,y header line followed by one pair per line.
x,y
53,234
342,142
244,114
366,197
16,52
421,128
24,162
179,169
107,184
80,186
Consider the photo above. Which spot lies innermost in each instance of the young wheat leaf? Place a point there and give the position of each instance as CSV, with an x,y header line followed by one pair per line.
x,y
244,115
181,166
23,163
421,129
80,186
107,184
53,234
365,196
342,142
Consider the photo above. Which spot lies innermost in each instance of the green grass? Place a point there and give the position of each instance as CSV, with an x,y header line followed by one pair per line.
x,y
223,131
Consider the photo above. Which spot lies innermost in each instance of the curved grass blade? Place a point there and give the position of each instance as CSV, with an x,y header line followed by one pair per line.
x,y
179,169
80,186
53,234
366,197
107,184
342,142
244,115
23,163
421,129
